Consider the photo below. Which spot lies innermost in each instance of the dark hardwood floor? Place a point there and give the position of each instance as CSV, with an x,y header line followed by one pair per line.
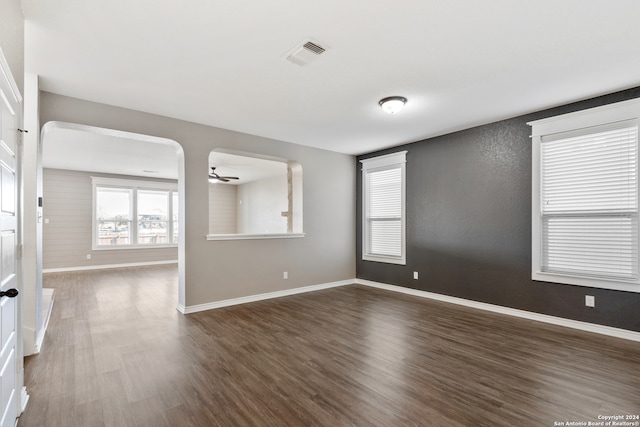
x,y
117,353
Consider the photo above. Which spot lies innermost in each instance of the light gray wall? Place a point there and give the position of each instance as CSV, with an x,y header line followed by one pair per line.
x,y
260,204
220,270
12,38
67,236
223,210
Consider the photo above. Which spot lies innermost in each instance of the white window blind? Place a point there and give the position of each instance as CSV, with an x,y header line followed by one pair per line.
x,y
589,202
384,212
384,208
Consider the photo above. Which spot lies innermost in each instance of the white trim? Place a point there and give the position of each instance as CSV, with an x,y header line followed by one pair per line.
x,y
7,77
53,125
254,236
259,297
566,279
544,318
45,323
559,321
24,399
8,87
610,113
134,183
386,161
553,127
133,247
181,180
32,341
133,187
105,266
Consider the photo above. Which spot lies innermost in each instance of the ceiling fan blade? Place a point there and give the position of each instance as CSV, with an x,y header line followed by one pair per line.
x,y
214,176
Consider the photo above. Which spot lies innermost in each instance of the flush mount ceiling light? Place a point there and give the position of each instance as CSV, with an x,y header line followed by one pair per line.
x,y
392,104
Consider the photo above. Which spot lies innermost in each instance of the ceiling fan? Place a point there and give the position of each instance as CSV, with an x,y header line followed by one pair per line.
x,y
214,177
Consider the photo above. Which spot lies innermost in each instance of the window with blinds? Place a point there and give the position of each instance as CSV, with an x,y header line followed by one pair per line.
x,y
384,208
590,203
585,198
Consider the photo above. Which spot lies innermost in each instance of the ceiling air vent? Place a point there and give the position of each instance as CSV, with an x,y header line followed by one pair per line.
x,y
305,52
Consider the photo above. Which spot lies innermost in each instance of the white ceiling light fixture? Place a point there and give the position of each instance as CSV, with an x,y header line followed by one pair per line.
x,y
392,104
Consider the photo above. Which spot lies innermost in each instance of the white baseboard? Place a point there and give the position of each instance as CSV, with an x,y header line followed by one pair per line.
x,y
559,321
48,296
100,267
24,399
33,344
575,324
253,298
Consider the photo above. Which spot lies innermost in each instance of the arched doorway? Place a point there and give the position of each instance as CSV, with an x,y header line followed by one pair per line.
x,y
85,152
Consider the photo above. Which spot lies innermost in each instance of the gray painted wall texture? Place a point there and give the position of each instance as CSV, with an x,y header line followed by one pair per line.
x,y
469,224
66,238
220,270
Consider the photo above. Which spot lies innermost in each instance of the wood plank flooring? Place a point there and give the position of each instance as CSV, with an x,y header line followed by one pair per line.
x,y
117,353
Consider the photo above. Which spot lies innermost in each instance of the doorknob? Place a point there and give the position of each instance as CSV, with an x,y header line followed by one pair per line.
x,y
11,293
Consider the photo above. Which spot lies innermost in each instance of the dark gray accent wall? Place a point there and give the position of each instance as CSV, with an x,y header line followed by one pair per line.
x,y
469,224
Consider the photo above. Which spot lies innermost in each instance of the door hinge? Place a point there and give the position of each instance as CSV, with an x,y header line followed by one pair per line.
x,y
21,139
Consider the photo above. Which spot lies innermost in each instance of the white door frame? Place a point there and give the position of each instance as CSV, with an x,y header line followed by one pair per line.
x,y
14,92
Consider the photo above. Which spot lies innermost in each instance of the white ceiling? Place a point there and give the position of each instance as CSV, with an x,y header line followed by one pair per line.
x,y
222,63
84,148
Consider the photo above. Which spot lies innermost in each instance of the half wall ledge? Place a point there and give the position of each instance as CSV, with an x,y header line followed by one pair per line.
x,y
254,236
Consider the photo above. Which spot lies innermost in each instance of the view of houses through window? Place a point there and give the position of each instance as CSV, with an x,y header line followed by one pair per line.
x,y
134,213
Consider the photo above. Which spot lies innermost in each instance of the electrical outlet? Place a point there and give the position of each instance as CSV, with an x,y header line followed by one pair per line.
x,y
88,256
285,275
589,300
415,275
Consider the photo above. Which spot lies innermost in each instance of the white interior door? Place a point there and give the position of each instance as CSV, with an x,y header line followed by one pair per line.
x,y
9,240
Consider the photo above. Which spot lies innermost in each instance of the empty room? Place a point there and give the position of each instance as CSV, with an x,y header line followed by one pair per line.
x,y
330,213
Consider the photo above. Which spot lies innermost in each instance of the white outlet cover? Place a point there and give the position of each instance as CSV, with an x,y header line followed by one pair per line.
x,y
415,275
589,300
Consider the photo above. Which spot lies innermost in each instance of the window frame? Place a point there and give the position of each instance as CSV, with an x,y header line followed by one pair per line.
x,y
375,164
130,219
581,123
133,186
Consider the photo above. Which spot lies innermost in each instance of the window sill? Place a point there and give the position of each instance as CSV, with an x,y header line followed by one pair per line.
x,y
616,285
254,236
128,247
388,260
